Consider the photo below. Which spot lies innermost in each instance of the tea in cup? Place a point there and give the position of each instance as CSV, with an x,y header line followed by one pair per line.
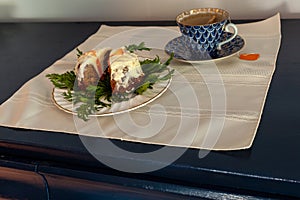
x,y
205,26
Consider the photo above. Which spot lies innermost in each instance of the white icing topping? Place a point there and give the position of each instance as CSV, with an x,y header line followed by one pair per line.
x,y
89,58
125,67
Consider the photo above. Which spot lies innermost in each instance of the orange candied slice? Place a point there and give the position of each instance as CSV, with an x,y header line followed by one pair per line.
x,y
90,53
249,56
119,51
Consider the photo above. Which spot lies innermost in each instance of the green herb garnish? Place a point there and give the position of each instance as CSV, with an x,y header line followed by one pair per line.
x,y
79,53
63,81
133,47
152,70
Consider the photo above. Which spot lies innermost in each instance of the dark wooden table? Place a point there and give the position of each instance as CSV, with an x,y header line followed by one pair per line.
x,y
46,165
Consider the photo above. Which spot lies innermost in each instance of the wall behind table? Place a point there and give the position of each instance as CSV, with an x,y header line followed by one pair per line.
x,y
137,10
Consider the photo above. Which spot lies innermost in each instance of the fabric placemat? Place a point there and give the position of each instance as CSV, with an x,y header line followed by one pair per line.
x,y
214,105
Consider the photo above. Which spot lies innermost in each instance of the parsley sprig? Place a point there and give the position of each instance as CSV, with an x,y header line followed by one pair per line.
x,y
95,97
63,81
133,47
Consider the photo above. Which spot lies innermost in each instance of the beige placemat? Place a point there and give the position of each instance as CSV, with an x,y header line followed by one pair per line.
x,y
214,106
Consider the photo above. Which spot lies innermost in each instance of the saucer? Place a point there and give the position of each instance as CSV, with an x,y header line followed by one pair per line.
x,y
186,51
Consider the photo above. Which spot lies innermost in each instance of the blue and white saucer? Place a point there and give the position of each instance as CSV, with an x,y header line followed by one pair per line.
x,y
186,51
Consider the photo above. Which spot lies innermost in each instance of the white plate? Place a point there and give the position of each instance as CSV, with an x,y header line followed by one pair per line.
x,y
116,108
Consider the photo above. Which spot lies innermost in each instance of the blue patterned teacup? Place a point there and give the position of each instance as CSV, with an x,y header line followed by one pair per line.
x,y
205,26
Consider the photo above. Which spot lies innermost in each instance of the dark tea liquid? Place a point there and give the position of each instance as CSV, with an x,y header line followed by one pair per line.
x,y
202,19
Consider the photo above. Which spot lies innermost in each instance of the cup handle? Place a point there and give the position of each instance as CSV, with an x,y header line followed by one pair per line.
x,y
235,32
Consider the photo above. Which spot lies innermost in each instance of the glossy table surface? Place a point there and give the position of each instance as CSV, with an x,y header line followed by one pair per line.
x,y
269,168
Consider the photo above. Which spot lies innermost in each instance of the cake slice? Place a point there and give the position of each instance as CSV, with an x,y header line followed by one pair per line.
x,y
126,73
122,66
91,67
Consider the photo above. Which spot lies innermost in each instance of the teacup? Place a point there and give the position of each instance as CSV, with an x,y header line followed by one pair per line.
x,y
205,26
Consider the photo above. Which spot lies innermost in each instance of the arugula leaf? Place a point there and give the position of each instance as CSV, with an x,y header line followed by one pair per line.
x,y
63,81
140,90
133,47
68,95
149,61
167,76
79,53
152,69
103,90
84,110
